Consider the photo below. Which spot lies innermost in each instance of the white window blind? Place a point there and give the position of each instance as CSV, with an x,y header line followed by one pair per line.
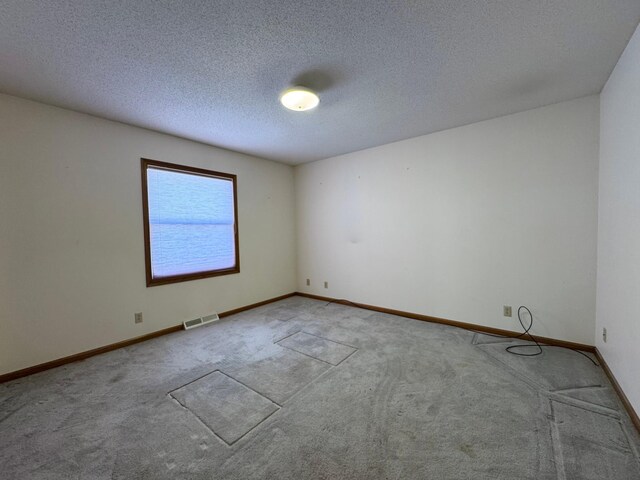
x,y
191,223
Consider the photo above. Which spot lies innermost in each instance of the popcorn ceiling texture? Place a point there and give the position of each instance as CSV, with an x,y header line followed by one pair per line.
x,y
212,70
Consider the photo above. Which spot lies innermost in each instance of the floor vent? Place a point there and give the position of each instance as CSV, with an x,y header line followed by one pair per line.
x,y
210,318
197,322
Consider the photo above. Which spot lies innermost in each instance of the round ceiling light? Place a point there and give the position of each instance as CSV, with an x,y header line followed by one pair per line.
x,y
299,99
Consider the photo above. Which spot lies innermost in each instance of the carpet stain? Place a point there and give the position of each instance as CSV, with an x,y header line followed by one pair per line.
x,y
117,378
467,450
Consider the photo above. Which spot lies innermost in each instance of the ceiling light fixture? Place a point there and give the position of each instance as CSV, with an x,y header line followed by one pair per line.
x,y
299,99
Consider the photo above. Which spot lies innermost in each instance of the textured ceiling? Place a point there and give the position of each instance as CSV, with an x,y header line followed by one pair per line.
x,y
385,70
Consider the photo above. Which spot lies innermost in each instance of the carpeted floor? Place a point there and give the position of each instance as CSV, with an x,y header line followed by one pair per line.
x,y
304,390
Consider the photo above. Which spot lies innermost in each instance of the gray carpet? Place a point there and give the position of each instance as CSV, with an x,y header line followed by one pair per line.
x,y
303,390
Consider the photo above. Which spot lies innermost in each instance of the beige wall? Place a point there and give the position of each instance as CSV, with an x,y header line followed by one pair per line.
x,y
71,240
454,224
459,223
619,222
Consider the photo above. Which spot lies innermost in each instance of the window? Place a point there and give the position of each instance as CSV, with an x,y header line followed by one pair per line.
x,y
190,223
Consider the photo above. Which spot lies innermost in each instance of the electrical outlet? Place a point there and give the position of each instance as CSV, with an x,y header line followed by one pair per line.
x,y
308,282
506,310
326,284
137,317
604,335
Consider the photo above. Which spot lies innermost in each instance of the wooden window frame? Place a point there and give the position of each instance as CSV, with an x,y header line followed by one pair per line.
x,y
145,163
